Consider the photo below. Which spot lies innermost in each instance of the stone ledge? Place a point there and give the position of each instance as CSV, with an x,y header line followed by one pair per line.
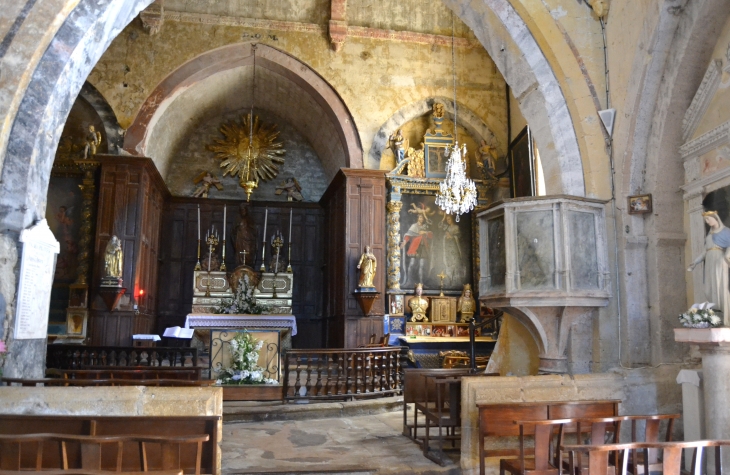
x,y
716,336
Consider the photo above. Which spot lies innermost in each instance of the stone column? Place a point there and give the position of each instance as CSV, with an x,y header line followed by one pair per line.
x,y
393,230
714,346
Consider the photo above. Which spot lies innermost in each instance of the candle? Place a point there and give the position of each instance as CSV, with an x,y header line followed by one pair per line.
x,y
198,222
224,222
290,218
266,220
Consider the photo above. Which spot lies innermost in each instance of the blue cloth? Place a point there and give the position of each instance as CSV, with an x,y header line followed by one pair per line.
x,y
722,238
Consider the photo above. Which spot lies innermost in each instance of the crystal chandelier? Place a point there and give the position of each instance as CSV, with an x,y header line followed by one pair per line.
x,y
457,193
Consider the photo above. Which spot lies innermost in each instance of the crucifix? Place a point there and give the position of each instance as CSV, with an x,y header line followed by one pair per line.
x,y
244,252
442,276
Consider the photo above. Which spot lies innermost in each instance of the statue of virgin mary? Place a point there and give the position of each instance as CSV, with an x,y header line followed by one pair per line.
x,y
716,257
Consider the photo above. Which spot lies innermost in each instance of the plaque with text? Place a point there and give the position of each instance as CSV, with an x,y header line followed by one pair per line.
x,y
36,278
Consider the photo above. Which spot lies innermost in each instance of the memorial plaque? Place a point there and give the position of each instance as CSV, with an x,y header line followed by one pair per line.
x,y
36,278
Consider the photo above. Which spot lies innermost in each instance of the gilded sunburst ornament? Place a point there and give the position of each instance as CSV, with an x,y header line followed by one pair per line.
x,y
252,154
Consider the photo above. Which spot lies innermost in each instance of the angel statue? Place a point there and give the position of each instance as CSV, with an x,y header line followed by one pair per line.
x,y
367,266
716,257
93,140
204,181
398,145
292,188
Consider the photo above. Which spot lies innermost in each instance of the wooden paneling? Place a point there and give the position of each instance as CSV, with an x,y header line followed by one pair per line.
x,y
131,198
355,208
179,254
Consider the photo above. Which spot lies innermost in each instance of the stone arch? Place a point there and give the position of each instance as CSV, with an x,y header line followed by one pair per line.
x,y
518,56
467,119
242,54
527,318
681,41
114,132
36,128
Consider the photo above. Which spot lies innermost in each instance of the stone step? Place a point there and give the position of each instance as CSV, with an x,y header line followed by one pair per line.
x,y
251,411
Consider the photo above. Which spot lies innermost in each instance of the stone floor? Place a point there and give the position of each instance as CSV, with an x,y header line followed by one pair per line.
x,y
349,444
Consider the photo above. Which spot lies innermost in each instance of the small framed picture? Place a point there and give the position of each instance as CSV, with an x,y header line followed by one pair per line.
x,y
396,304
76,320
640,204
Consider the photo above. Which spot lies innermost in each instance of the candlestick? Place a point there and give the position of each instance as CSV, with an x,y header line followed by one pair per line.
x,y
197,264
263,248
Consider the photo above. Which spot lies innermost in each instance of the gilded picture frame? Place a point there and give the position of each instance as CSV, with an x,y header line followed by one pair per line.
x,y
639,204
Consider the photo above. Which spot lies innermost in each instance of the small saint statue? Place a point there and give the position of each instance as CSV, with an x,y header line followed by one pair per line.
x,y
93,140
466,305
367,266
418,305
113,262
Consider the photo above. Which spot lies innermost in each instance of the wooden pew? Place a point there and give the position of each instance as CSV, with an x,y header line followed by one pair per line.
x,y
139,426
100,453
417,390
442,408
108,382
598,455
497,420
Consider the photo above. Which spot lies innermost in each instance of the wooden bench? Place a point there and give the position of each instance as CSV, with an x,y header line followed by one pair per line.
x,y
190,373
138,426
108,382
497,420
88,452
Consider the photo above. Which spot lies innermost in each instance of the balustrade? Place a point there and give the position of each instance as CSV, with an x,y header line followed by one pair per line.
x,y
342,373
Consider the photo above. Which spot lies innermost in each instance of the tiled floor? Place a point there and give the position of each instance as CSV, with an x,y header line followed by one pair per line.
x,y
369,444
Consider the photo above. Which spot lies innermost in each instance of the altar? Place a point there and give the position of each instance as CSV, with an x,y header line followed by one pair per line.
x,y
215,331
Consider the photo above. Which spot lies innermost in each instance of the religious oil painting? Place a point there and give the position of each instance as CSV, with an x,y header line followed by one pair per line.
x,y
396,304
436,161
64,218
433,244
640,204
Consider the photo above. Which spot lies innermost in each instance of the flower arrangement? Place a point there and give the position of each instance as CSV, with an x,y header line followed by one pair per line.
x,y
700,316
244,357
243,300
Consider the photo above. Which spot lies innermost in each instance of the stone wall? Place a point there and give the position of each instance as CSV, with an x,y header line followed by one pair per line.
x,y
374,77
192,157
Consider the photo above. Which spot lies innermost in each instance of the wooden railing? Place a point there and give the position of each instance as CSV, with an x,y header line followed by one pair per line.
x,y
82,357
342,373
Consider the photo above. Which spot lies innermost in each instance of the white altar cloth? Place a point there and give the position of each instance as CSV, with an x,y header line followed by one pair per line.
x,y
201,320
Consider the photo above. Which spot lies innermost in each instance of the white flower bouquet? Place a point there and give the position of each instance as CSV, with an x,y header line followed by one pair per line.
x,y
701,315
243,301
244,367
